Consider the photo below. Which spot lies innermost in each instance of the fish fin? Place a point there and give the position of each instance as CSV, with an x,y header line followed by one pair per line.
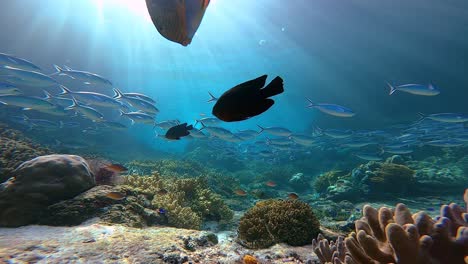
x,y
261,129
65,90
122,113
117,93
275,87
3,103
212,98
189,127
61,124
27,108
311,104
392,89
67,68
87,83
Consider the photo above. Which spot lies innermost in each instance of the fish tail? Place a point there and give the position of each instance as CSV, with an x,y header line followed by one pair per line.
x,y
205,3
421,117
261,129
48,96
311,104
58,70
318,130
212,98
203,125
65,90
118,94
122,113
61,124
275,87
74,104
392,89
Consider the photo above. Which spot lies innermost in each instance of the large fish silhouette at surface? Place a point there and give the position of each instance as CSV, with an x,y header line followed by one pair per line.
x,y
177,20
247,99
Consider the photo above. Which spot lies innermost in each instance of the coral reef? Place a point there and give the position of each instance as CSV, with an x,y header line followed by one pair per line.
x,y
277,221
188,201
167,167
323,181
440,175
374,180
15,149
40,182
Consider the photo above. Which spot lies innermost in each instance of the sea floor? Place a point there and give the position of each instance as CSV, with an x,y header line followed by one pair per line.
x,y
97,243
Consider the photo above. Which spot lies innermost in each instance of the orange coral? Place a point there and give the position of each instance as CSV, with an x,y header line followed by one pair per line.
x,y
248,259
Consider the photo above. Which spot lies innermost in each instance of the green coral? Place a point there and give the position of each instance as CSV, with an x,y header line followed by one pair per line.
x,y
188,201
278,221
328,179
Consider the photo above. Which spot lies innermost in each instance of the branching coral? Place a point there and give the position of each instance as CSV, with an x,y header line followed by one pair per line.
x,y
275,221
386,236
149,185
188,202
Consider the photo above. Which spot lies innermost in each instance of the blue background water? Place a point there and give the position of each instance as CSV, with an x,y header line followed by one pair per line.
x,y
331,51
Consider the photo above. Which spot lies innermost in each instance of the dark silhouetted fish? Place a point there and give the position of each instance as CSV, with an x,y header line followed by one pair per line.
x,y
177,20
176,132
247,99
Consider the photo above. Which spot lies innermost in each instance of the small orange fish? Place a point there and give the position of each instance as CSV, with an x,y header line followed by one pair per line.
x,y
177,20
240,192
115,196
270,184
117,168
293,196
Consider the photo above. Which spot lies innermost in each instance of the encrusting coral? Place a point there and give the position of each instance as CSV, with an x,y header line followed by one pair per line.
x,y
188,201
277,221
397,236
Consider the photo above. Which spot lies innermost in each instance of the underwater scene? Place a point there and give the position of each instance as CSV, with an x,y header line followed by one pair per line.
x,y
234,132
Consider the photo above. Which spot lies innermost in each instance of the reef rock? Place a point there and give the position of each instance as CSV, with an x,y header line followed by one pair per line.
x,y
133,210
40,182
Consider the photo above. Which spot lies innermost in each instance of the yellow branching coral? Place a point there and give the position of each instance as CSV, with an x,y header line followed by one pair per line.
x,y
189,201
149,185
